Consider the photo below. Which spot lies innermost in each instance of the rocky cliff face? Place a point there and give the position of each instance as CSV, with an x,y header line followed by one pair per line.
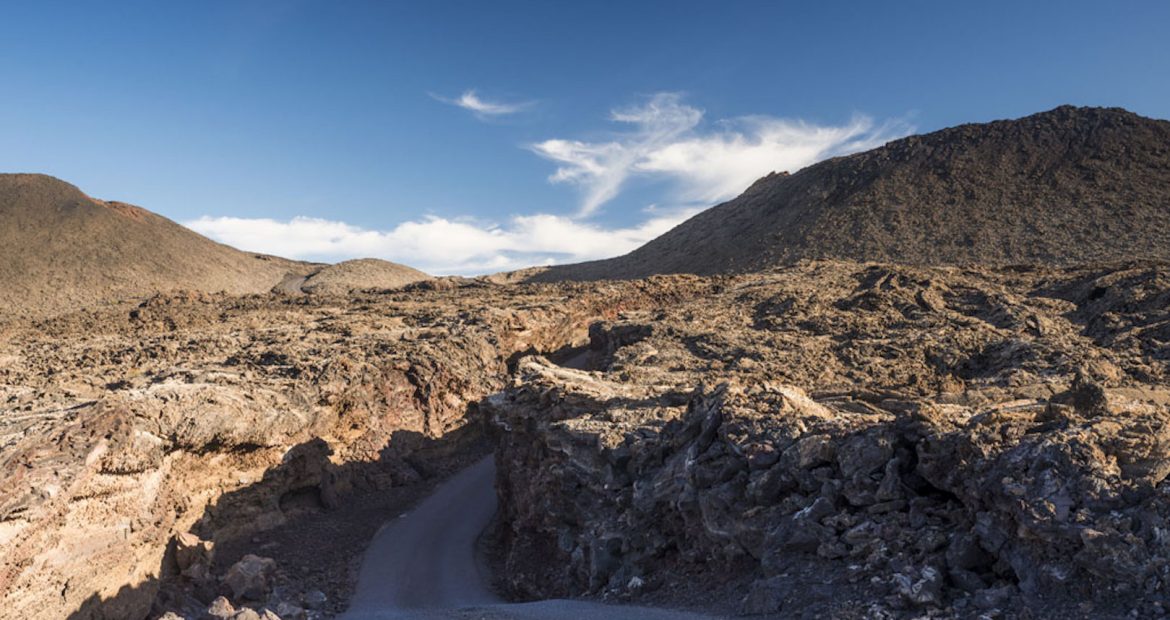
x,y
855,441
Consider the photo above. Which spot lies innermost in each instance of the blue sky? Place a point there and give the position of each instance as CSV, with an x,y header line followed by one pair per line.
x,y
468,137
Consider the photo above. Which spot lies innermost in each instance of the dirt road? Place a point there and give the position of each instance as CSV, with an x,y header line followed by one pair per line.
x,y
423,565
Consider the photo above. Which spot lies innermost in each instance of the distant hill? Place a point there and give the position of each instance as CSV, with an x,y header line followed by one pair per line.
x,y
351,275
61,250
1071,185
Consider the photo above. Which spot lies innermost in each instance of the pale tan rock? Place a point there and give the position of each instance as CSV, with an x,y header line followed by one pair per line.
x,y
193,553
221,608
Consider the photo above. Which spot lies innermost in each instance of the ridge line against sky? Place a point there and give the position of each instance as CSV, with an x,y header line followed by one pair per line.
x,y
663,138
464,137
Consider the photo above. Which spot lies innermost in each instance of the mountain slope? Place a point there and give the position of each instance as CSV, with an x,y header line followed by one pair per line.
x,y
1070,185
61,250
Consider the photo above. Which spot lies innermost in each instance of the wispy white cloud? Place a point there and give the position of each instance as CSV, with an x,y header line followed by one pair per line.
x,y
664,139
667,140
471,101
440,245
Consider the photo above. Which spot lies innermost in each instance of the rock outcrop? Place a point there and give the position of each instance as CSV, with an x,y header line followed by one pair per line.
x,y
857,440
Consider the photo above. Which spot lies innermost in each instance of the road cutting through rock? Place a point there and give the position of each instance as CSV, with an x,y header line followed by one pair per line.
x,y
423,565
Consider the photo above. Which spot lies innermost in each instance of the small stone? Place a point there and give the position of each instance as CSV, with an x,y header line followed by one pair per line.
x,y
315,600
991,598
221,608
861,534
811,451
246,614
762,456
832,549
251,577
746,363
289,611
926,590
190,549
895,505
816,511
766,596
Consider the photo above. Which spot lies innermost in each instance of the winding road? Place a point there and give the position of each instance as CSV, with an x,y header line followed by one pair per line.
x,y
423,565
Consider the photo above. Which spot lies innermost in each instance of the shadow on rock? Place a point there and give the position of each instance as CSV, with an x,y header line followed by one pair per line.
x,y
289,544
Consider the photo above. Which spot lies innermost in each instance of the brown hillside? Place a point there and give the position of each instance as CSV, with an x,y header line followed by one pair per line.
x,y
1071,185
61,250
360,274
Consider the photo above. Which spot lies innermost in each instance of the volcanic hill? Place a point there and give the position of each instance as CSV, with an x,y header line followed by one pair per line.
x,y
1070,185
61,250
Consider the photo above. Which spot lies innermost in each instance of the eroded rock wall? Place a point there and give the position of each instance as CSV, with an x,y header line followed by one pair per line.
x,y
858,440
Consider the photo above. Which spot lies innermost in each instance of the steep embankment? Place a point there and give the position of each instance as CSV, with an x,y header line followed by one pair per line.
x,y
61,250
1071,185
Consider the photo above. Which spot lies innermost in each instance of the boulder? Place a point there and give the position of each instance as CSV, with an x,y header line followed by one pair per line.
x,y
766,596
289,611
251,577
315,600
193,555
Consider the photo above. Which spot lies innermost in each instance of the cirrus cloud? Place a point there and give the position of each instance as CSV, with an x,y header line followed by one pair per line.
x,y
666,140
472,102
